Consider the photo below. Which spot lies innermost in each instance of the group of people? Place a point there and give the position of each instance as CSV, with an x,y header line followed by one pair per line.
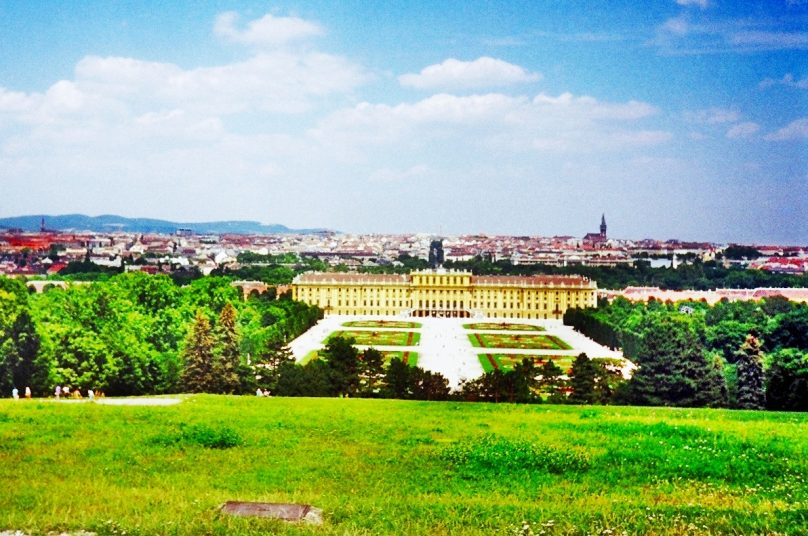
x,y
265,392
65,392
15,393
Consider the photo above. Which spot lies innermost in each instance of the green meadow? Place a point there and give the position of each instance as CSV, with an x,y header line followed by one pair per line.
x,y
401,467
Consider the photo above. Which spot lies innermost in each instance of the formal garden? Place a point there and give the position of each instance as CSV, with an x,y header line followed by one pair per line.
x,y
517,342
506,362
378,338
408,358
394,324
501,326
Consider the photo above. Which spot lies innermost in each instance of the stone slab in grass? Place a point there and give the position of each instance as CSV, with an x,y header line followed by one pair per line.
x,y
501,326
396,324
378,338
283,511
517,342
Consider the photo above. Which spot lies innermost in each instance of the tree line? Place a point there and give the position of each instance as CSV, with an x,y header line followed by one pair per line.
x,y
739,354
130,334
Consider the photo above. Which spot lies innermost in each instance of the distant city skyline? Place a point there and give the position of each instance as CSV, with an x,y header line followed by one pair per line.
x,y
679,119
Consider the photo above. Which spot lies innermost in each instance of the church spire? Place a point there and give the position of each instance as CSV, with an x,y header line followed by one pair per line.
x,y
603,226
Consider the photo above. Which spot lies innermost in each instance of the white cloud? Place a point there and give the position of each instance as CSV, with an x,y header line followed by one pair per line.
x,y
712,116
456,74
770,39
787,80
268,30
277,81
703,4
742,130
796,130
491,121
676,26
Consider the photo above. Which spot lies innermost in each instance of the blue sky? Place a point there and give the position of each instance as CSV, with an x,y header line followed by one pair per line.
x,y
677,118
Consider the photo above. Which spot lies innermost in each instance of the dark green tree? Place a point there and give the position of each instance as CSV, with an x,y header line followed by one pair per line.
x,y
428,385
342,359
672,366
227,361
20,362
751,388
371,372
198,354
551,382
787,380
268,365
583,381
397,379
715,392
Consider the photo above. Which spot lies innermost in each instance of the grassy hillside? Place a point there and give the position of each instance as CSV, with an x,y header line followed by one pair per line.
x,y
401,467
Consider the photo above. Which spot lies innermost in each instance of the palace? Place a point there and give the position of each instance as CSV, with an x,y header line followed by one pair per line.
x,y
445,293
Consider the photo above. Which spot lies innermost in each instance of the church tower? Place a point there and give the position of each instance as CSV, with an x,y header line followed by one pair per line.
x,y
603,227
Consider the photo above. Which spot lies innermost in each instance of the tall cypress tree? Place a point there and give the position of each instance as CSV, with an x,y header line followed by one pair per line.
x,y
751,386
198,353
227,364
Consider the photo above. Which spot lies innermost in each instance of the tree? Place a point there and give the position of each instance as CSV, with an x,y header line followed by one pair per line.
x,y
267,366
198,353
672,367
20,363
751,390
551,382
227,364
715,391
428,385
342,359
371,372
787,380
583,378
397,379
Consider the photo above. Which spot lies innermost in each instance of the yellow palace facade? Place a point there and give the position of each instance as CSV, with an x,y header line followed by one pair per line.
x,y
444,293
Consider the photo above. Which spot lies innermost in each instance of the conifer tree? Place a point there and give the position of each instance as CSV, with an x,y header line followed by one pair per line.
x,y
268,365
551,381
751,386
198,353
583,378
672,366
371,372
227,362
714,392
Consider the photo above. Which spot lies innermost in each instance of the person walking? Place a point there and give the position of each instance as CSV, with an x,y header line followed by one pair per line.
x,y
28,393
58,391
15,394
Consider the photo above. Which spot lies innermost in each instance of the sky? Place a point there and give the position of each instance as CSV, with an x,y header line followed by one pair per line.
x,y
679,119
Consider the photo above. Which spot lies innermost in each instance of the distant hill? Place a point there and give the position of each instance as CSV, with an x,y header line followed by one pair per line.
x,y
108,223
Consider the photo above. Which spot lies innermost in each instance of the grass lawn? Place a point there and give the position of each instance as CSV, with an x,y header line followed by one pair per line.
x,y
502,326
379,338
505,362
401,467
517,342
397,324
410,358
